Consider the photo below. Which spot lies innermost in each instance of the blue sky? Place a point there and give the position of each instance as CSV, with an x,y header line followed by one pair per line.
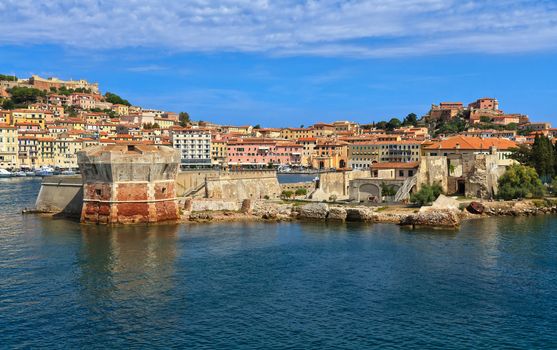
x,y
281,63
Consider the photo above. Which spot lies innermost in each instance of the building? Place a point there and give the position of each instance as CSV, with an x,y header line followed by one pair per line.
x,y
54,83
194,146
485,103
394,170
472,145
8,147
330,154
445,110
535,126
254,152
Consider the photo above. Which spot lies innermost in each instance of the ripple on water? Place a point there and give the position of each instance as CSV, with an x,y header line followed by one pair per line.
x,y
297,285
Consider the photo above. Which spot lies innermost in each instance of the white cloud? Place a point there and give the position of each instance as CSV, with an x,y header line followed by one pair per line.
x,y
373,28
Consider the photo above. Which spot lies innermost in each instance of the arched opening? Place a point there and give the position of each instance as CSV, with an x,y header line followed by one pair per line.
x,y
321,164
342,163
369,193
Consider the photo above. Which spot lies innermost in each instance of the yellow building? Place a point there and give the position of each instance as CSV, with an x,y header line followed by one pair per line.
x,y
330,155
309,148
121,109
27,151
165,123
30,116
8,147
218,151
65,152
296,133
45,151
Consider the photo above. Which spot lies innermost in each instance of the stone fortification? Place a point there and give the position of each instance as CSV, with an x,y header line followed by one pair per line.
x,y
129,184
257,184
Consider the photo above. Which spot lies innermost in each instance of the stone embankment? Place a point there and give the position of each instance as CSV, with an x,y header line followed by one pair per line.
x,y
445,213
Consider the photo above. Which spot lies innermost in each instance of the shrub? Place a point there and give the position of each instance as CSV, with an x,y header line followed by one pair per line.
x,y
520,181
426,195
301,192
286,194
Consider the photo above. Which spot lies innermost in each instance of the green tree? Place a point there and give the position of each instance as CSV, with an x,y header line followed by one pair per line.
x,y
23,95
543,157
115,99
452,126
387,190
257,126
286,194
184,119
393,124
410,120
8,104
426,195
520,181
485,119
301,192
8,77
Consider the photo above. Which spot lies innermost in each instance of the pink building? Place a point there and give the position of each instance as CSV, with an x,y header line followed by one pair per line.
x,y
261,152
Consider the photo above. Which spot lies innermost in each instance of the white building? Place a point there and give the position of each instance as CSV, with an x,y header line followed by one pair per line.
x,y
194,144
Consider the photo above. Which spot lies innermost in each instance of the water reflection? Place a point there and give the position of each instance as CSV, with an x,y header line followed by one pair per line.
x,y
124,262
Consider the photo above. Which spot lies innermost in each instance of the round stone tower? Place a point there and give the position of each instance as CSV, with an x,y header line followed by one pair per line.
x,y
124,184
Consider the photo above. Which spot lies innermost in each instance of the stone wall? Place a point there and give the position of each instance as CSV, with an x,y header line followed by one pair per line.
x,y
243,185
215,205
61,194
187,180
433,169
337,183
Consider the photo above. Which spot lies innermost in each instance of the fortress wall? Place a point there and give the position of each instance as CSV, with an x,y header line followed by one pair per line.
x,y
61,194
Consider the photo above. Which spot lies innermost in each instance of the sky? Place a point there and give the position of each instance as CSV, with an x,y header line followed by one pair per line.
x,y
288,63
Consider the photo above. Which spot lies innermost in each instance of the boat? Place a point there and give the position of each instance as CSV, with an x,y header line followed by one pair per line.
x,y
29,173
45,171
5,173
20,174
68,172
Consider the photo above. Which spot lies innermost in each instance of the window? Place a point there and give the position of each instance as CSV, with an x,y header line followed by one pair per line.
x,y
401,173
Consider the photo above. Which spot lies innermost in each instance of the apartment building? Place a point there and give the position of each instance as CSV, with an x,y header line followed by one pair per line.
x,y
8,146
194,145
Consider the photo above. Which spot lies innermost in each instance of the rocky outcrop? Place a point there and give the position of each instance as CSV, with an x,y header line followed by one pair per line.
x,y
360,214
313,211
434,218
337,213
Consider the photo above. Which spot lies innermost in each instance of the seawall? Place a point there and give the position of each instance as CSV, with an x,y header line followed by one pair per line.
x,y
61,194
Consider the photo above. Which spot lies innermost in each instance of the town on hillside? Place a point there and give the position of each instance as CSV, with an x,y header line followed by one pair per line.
x,y
45,122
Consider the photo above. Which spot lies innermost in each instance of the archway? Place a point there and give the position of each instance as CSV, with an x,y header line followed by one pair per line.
x,y
342,163
369,193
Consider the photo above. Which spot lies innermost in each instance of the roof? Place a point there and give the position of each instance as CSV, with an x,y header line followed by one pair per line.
x,y
472,143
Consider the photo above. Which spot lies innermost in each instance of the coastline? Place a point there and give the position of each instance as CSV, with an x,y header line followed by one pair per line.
x,y
415,217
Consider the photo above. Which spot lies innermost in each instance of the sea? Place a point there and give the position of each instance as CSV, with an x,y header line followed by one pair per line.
x,y
297,285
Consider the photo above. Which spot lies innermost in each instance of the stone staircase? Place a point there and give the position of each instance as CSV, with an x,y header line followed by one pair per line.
x,y
190,192
404,190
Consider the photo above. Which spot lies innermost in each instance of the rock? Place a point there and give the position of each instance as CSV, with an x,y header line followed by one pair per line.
x,y
337,213
444,202
187,204
200,216
359,214
246,206
314,211
476,208
434,218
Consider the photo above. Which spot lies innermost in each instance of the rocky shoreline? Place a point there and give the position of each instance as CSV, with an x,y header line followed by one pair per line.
x,y
447,216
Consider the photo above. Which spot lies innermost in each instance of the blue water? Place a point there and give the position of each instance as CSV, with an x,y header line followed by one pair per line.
x,y
289,285
291,178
